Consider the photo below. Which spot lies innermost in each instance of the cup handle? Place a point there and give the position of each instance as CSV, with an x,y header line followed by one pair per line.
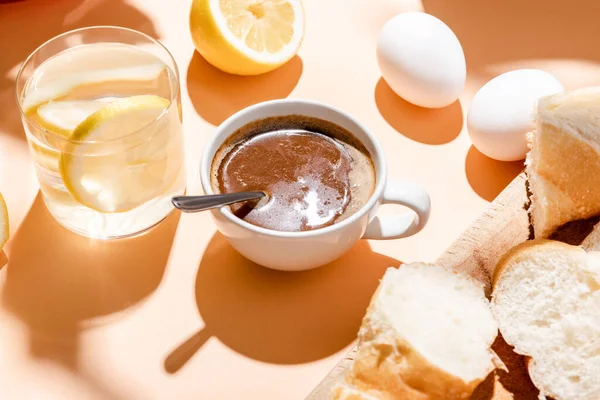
x,y
406,224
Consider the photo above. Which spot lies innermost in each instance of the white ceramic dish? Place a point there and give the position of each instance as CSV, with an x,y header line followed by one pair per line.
x,y
295,251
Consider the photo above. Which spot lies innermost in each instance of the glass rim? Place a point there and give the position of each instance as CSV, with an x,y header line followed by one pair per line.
x,y
60,138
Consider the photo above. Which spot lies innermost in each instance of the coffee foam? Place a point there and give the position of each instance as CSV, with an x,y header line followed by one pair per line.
x,y
362,178
304,214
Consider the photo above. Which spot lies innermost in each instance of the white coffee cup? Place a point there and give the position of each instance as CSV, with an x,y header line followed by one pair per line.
x,y
295,251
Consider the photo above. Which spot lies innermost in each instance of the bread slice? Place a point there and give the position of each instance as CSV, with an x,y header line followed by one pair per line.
x,y
426,335
563,166
546,298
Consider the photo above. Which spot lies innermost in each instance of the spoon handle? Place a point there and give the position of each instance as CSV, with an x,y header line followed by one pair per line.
x,y
201,203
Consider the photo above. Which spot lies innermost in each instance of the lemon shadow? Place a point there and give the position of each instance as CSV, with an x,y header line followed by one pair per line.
x,y
424,125
216,95
281,317
489,177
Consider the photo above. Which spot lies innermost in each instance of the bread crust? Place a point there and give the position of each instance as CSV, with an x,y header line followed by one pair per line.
x,y
563,164
524,250
387,367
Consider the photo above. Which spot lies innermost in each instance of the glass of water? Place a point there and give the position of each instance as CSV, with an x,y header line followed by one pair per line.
x,y
101,110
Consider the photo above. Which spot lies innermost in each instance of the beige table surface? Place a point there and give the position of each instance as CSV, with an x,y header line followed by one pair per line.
x,y
177,314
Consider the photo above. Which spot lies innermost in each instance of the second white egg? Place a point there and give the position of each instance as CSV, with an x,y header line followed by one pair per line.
x,y
501,113
421,59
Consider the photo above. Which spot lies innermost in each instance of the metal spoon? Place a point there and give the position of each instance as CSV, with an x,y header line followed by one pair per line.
x,y
201,203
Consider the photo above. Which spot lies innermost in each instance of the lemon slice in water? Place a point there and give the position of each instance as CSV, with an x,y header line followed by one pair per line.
x,y
118,157
89,65
61,117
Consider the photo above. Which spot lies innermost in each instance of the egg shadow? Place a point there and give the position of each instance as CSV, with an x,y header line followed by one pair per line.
x,y
281,317
216,95
433,126
489,177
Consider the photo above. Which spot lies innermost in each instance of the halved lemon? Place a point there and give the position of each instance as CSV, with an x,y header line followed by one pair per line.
x,y
4,229
110,169
247,37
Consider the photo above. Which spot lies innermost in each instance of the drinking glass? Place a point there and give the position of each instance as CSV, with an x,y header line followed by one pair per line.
x,y
101,109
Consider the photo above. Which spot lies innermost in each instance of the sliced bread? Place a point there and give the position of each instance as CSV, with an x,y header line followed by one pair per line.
x,y
563,166
426,335
546,299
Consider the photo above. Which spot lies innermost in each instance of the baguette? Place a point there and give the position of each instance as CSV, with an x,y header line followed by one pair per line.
x,y
546,299
426,335
563,165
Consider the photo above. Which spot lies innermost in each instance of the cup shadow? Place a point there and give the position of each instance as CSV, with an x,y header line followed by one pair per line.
x,y
58,282
217,95
281,317
423,125
489,177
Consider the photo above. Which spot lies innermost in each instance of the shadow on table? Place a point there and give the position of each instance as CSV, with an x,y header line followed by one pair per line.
x,y
424,125
499,32
217,95
514,383
58,283
489,177
281,317
25,25
3,260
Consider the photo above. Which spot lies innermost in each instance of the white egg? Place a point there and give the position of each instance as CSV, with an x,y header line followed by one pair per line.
x,y
421,59
501,113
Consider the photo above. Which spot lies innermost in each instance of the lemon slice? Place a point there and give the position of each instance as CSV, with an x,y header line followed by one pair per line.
x,y
4,230
87,66
62,85
111,175
247,37
62,117
45,157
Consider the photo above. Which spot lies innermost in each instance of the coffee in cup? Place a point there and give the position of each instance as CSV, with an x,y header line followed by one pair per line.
x,y
315,172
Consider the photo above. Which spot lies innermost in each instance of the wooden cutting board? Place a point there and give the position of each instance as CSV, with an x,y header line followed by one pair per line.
x,y
503,225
